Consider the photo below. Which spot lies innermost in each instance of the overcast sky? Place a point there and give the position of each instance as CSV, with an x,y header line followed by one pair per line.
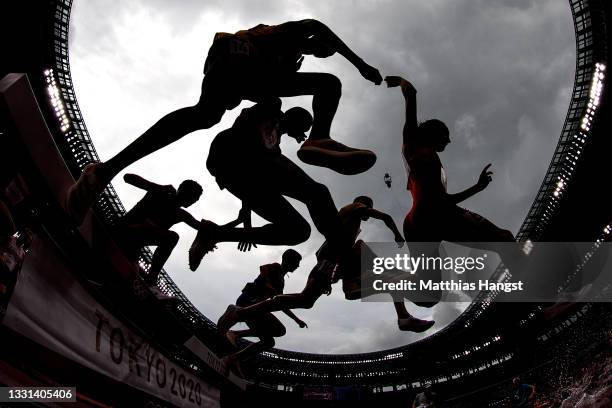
x,y
498,72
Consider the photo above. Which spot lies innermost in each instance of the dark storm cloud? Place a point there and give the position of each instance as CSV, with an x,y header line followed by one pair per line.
x,y
483,69
498,72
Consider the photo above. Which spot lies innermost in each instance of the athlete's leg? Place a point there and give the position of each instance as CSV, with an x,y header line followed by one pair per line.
x,y
291,181
315,287
286,225
478,232
468,226
234,335
167,130
213,103
407,322
303,300
325,89
151,235
265,326
319,149
219,90
261,188
352,287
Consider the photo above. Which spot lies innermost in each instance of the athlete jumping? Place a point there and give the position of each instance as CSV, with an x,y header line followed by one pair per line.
x,y
265,326
435,215
149,221
249,65
246,160
326,273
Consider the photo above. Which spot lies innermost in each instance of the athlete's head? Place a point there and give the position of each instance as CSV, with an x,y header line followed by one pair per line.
x,y
296,122
367,201
188,193
434,133
291,260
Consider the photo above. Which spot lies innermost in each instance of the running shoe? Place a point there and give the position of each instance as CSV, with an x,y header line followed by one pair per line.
x,y
336,156
202,244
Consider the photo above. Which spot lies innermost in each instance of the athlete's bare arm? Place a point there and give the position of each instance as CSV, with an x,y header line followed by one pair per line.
x,y
388,220
296,319
245,216
188,219
483,181
144,184
409,91
233,224
316,30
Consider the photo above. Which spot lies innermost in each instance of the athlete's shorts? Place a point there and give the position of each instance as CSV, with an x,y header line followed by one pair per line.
x,y
451,223
231,78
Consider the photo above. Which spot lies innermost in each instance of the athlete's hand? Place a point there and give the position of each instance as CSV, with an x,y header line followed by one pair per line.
x,y
246,246
302,324
370,73
485,177
400,241
393,81
407,87
245,216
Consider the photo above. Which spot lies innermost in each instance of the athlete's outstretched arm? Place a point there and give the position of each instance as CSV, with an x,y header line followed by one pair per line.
x,y
188,219
296,319
482,183
388,220
409,91
313,30
244,215
144,184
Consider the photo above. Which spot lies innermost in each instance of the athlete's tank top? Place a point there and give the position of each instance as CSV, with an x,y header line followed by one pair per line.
x,y
443,178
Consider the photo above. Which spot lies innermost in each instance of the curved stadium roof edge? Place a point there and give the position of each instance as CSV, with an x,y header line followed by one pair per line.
x,y
591,51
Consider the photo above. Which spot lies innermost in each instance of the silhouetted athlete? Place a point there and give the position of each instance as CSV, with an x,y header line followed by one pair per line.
x,y
246,160
326,273
349,270
249,65
149,221
435,215
265,326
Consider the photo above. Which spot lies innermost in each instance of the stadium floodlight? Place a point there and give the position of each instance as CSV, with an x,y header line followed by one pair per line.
x,y
56,100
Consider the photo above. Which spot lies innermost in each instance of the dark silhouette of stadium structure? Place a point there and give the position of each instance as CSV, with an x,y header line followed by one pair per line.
x,y
469,360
